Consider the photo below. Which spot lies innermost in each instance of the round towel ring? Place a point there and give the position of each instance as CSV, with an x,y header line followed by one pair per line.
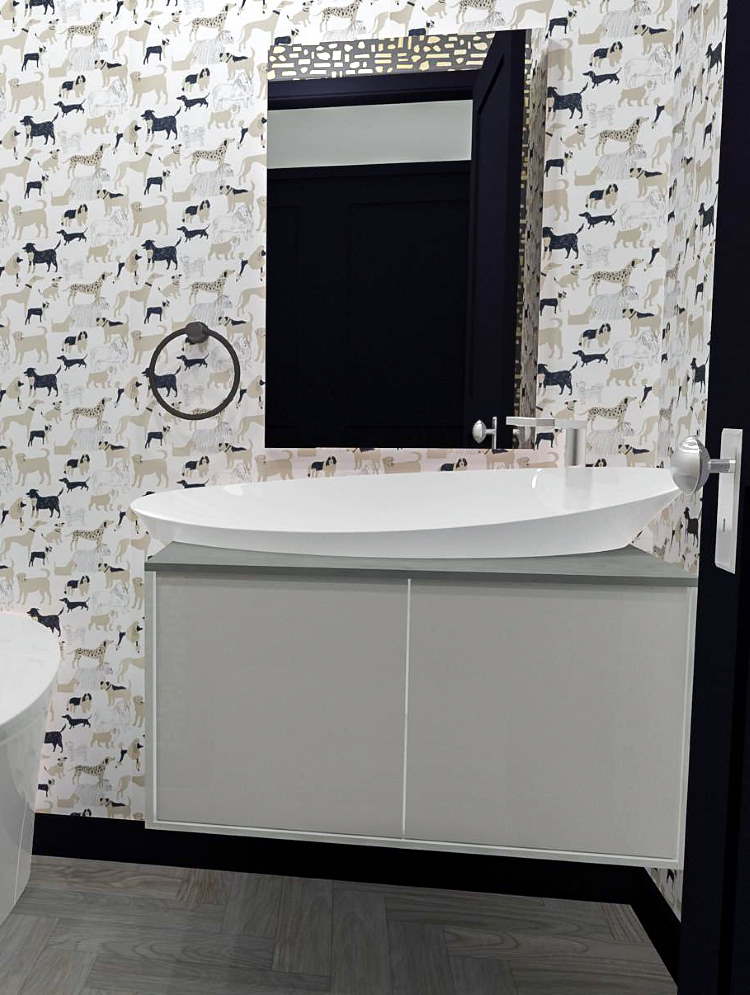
x,y
195,332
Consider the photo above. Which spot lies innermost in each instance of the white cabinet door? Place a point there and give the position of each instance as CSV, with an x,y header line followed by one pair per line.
x,y
549,717
278,702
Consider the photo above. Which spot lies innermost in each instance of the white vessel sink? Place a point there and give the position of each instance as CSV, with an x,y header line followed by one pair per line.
x,y
479,513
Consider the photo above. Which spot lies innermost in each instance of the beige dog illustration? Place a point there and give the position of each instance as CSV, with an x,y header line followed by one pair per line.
x,y
391,465
35,217
21,91
153,214
268,466
36,466
154,467
153,86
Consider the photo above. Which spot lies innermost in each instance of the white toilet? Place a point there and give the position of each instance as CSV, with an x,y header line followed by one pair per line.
x,y
29,660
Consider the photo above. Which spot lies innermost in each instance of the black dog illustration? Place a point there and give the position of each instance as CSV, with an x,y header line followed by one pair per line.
x,y
591,357
73,485
598,78
164,381
191,102
76,722
191,361
191,233
167,124
45,502
567,242
692,526
53,738
39,129
69,363
161,253
41,257
571,102
557,378
69,108
43,381
51,622
597,219
71,236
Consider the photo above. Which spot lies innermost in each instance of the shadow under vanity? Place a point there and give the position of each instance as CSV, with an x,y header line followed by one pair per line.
x,y
536,707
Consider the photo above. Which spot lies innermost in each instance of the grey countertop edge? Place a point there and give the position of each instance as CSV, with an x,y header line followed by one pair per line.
x,y
620,566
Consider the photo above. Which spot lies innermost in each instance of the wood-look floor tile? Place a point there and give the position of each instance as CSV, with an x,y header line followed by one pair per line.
x,y
100,928
204,887
90,936
105,876
175,988
624,924
540,948
111,991
111,972
475,976
588,917
419,961
22,937
489,899
360,944
119,908
253,905
495,914
59,970
303,933
194,962
572,981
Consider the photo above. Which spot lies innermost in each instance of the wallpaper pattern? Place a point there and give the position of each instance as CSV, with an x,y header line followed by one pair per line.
x,y
132,198
374,56
629,223
693,194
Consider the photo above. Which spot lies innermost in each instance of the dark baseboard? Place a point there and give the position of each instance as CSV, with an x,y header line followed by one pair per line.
x,y
110,839
658,919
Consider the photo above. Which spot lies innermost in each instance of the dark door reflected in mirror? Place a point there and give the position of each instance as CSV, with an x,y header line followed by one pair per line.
x,y
393,254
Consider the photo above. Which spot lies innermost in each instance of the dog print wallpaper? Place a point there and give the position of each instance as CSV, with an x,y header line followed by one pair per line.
x,y
132,199
693,192
630,319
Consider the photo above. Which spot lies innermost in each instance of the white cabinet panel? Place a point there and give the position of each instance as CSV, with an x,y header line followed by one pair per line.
x,y
549,716
278,701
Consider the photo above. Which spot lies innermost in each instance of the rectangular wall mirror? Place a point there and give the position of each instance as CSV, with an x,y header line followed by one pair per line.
x,y
393,253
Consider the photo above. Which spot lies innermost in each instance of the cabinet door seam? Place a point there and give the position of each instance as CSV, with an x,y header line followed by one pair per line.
x,y
406,706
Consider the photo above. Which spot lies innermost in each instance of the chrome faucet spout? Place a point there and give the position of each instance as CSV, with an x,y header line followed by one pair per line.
x,y
575,434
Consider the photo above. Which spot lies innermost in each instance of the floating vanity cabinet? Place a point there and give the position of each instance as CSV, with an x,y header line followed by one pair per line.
x,y
534,707
547,716
278,701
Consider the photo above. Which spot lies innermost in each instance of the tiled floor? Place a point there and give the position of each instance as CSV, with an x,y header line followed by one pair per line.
x,y
89,927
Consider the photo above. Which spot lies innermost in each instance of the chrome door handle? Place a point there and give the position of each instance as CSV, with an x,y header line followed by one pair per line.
x,y
692,465
691,468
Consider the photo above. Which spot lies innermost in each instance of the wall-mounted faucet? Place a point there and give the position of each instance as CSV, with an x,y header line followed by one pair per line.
x,y
480,432
575,434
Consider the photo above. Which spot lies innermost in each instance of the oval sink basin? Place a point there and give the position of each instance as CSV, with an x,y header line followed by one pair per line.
x,y
478,513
